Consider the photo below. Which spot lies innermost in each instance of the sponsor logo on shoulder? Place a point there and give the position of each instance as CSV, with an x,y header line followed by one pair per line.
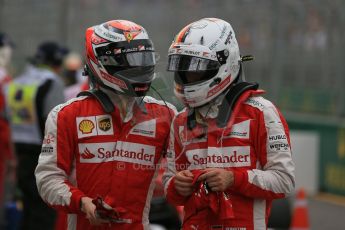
x,y
279,146
48,139
255,103
117,151
47,149
277,137
146,128
278,142
94,126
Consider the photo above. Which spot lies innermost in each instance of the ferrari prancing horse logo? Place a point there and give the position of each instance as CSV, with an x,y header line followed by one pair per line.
x,y
131,35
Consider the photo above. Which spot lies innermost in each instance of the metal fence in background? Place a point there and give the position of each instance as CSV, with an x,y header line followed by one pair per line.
x,y
298,44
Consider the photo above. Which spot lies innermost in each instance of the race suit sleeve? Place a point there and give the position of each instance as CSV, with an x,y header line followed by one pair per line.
x,y
274,176
173,151
56,164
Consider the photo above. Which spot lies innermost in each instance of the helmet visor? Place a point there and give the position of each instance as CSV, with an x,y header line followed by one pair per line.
x,y
127,60
189,63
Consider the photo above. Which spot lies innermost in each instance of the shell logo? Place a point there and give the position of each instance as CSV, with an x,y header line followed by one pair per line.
x,y
86,126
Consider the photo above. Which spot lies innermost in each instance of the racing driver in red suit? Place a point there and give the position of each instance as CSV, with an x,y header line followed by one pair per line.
x,y
100,150
229,151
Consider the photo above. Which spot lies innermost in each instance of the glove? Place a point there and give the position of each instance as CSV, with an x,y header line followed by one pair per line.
x,y
104,211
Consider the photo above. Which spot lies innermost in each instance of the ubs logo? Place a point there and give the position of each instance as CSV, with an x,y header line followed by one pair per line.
x,y
104,124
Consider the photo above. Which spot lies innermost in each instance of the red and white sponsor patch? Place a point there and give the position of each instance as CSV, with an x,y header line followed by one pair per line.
x,y
240,130
113,80
226,157
117,151
94,126
146,128
219,87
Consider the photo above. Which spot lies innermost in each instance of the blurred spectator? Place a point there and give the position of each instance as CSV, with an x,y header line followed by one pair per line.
x,y
31,96
72,75
6,154
316,36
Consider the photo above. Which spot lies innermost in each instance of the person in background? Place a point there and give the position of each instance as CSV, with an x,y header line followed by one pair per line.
x,y
72,75
229,154
7,158
30,97
101,150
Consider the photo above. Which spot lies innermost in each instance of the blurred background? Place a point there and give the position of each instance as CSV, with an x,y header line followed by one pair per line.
x,y
298,47
296,43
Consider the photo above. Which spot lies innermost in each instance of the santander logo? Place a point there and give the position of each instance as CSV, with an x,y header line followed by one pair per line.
x,y
234,156
117,151
87,154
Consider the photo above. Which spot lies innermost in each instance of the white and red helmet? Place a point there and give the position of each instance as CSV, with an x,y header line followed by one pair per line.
x,y
120,56
205,58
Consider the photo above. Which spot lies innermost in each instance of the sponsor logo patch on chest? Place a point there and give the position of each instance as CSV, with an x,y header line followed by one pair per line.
x,y
240,130
94,126
146,128
234,156
117,151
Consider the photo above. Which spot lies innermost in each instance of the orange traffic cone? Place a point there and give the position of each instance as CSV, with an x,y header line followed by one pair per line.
x,y
300,219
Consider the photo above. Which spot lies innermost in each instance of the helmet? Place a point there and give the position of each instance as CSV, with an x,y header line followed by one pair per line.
x,y
49,53
120,57
205,59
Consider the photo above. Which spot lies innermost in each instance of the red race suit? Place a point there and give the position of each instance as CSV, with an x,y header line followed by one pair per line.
x,y
87,152
254,145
